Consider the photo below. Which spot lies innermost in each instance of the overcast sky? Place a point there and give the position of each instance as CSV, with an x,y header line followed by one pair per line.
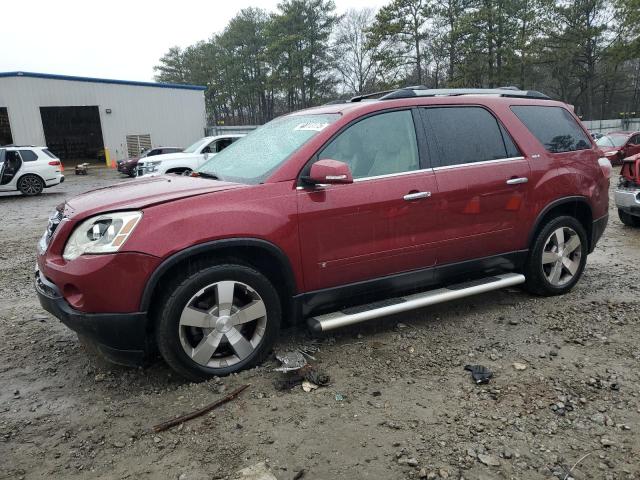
x,y
116,38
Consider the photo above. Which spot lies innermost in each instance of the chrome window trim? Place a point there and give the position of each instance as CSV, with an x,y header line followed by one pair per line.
x,y
389,175
484,162
398,174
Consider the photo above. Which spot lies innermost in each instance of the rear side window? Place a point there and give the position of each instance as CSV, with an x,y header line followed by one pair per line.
x,y
466,135
48,152
28,156
554,127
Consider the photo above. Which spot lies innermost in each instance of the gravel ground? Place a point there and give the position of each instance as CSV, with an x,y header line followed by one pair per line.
x,y
399,404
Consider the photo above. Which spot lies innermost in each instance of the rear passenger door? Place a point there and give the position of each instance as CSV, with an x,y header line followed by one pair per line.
x,y
483,182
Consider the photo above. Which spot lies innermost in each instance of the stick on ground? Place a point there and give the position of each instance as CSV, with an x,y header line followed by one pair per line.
x,y
177,421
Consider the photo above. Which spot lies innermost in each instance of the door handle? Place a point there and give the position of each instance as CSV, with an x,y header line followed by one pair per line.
x,y
416,195
517,180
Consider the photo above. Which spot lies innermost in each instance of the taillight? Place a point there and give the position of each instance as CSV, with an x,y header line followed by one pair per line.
x,y
605,166
55,163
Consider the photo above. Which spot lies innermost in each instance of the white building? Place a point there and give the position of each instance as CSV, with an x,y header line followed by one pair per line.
x,y
78,117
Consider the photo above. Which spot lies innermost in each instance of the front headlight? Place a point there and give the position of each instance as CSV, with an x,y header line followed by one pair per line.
x,y
101,234
153,166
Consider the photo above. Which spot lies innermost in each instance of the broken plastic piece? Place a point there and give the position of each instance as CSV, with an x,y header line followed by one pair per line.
x,y
307,386
480,373
291,361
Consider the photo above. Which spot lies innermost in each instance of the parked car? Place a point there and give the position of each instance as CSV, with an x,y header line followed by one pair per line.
x,y
130,165
189,159
28,169
627,195
619,145
334,215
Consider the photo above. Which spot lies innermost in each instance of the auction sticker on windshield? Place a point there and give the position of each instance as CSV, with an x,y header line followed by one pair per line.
x,y
312,126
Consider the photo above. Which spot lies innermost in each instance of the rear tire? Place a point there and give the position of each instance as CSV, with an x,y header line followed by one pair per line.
x,y
557,257
30,185
628,219
217,320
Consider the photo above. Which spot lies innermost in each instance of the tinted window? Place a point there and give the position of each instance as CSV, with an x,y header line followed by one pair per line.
x,y
636,140
222,144
153,152
554,127
28,155
466,135
378,145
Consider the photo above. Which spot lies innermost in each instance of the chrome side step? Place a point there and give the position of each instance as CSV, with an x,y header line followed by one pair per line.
x,y
362,313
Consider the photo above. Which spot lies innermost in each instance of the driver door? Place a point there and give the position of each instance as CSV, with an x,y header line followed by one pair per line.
x,y
380,224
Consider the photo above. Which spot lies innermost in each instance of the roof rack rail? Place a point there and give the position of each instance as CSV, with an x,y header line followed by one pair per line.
x,y
359,98
512,92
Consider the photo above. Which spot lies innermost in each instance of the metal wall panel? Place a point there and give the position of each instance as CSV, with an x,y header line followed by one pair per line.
x,y
173,117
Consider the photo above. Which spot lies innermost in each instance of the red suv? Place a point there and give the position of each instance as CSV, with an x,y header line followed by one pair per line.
x,y
333,215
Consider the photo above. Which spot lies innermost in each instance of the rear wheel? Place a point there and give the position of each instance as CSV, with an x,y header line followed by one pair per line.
x,y
557,257
628,219
218,321
30,185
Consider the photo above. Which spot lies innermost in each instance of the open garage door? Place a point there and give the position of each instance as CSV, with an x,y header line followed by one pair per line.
x,y
5,128
73,133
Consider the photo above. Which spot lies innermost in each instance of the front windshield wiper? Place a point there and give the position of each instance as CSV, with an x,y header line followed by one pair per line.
x,y
213,176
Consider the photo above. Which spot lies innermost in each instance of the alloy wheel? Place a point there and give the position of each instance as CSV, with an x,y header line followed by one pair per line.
x,y
30,185
222,324
561,256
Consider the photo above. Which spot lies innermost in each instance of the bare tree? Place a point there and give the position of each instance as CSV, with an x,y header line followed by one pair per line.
x,y
354,56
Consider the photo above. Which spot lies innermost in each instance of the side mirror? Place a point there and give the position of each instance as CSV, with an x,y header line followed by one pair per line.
x,y
329,172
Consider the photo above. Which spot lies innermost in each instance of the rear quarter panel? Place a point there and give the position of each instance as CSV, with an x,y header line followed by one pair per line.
x,y
558,175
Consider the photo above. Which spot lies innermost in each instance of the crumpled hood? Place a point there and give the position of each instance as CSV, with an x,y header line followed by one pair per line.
x,y
144,192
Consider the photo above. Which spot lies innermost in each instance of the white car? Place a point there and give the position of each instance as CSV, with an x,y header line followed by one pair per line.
x,y
28,169
189,159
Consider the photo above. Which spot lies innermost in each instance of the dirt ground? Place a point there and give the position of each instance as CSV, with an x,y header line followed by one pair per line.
x,y
400,404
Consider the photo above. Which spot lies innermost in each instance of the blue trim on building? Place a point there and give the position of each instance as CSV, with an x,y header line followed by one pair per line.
x,y
101,80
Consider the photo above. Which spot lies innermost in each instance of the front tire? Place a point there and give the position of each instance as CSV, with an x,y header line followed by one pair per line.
x,y
557,257
218,320
30,185
628,219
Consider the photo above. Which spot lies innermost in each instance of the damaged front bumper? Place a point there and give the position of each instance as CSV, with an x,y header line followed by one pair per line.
x,y
121,337
628,200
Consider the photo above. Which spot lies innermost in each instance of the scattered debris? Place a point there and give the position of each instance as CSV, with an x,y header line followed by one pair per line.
x,y
489,460
605,442
339,397
307,386
177,421
259,471
299,474
519,366
566,477
291,361
82,168
480,373
307,374
412,462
